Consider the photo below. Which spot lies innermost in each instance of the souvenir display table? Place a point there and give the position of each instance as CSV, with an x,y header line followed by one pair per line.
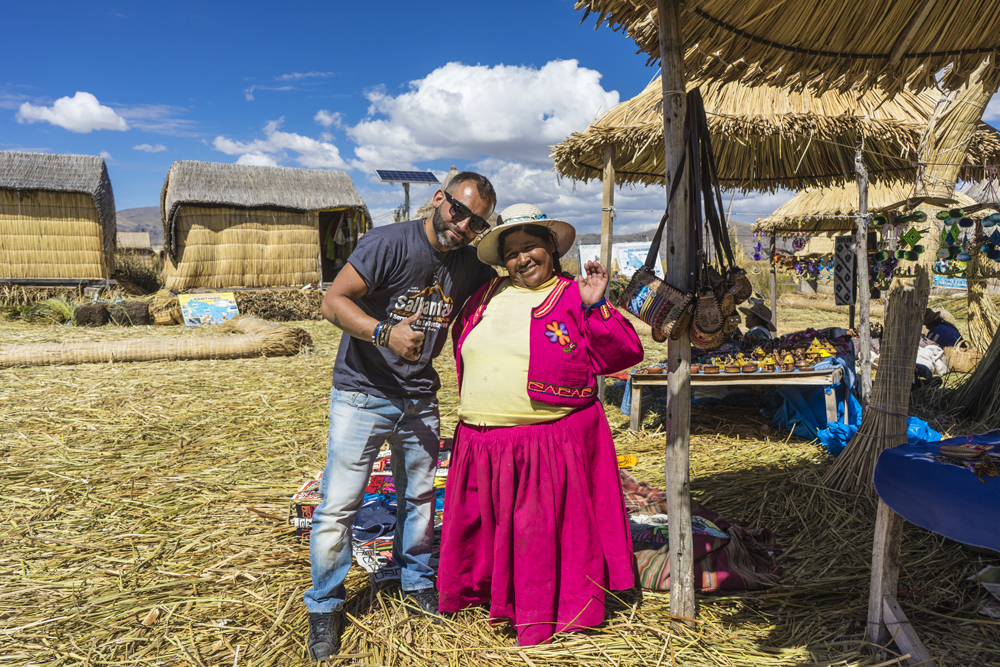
x,y
829,377
955,497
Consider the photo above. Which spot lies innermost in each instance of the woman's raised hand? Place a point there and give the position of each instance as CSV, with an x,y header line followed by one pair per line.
x,y
594,285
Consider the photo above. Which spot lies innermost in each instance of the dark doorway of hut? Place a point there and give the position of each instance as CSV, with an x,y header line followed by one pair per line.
x,y
338,235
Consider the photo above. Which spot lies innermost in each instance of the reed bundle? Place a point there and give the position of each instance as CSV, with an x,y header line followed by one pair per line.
x,y
883,424
819,43
257,338
146,506
983,314
165,309
976,400
291,305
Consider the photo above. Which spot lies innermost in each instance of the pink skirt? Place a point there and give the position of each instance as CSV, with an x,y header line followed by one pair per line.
x,y
535,524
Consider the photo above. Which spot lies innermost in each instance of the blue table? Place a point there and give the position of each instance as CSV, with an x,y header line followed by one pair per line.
x,y
942,497
945,498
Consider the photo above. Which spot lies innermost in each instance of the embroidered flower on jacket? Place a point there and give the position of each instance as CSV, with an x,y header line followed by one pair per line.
x,y
557,333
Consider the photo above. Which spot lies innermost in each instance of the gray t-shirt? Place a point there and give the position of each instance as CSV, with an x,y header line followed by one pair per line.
x,y
404,274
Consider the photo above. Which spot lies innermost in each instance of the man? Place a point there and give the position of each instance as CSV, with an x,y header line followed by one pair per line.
x,y
394,299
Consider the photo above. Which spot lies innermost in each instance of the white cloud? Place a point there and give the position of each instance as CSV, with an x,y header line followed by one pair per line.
x,y
298,76
471,111
147,148
106,155
310,152
160,119
81,113
248,93
327,118
638,208
257,159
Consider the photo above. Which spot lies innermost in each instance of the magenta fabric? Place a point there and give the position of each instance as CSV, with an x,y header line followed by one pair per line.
x,y
570,345
535,524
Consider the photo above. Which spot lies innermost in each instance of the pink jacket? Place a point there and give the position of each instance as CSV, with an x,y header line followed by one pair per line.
x,y
570,344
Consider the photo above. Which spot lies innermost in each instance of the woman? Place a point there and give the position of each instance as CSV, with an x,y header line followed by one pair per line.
x,y
535,522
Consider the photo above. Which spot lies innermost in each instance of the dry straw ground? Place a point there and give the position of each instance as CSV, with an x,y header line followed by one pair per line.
x,y
144,523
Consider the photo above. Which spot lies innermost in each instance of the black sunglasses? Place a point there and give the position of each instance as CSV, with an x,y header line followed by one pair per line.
x,y
460,211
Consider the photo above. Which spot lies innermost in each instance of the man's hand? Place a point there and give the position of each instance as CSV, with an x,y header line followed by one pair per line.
x,y
406,341
594,285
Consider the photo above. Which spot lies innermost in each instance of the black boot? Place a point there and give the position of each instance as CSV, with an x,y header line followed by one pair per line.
x,y
423,602
324,635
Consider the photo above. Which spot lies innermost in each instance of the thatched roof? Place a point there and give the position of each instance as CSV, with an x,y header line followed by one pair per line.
x,y
767,138
86,174
133,241
842,204
820,43
980,192
218,185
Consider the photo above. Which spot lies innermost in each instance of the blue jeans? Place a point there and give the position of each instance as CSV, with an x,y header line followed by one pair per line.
x,y
359,424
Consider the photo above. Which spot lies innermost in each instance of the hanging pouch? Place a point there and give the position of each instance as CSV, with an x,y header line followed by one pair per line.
x,y
652,300
655,302
736,278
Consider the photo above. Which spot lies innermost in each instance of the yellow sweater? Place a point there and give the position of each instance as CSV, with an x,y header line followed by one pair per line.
x,y
495,362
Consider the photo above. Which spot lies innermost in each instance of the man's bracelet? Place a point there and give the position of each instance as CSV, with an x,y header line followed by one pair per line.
x,y
380,337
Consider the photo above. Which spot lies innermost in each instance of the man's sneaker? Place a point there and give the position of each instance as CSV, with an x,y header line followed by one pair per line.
x,y
423,601
324,635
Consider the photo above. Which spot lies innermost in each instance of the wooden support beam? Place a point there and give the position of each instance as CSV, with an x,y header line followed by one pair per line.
x,y
607,205
910,32
607,229
772,281
864,291
678,412
903,633
885,571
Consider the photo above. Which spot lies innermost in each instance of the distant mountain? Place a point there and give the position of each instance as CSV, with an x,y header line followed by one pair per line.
x,y
142,220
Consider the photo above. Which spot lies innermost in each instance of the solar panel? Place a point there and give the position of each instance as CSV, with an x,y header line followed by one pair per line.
x,y
393,176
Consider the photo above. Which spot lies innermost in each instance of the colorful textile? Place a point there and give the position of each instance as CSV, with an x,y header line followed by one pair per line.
x,y
536,526
495,362
569,345
727,557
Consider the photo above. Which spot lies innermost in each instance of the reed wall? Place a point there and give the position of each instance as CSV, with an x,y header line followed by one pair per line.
x,y
51,235
225,247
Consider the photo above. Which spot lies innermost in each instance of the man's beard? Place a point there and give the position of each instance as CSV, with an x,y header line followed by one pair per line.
x,y
441,227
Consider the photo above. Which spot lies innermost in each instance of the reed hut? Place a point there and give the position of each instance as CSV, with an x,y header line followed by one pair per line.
x,y
57,218
230,225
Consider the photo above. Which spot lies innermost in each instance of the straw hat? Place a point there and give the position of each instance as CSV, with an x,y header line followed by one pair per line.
x,y
519,215
761,311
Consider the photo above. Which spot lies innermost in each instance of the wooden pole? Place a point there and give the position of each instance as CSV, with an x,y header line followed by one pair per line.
x,y
406,201
607,228
678,413
607,205
864,293
772,280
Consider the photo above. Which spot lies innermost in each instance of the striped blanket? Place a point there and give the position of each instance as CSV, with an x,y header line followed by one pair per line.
x,y
727,557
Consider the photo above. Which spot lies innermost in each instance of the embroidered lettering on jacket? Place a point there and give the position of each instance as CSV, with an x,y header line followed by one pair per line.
x,y
560,391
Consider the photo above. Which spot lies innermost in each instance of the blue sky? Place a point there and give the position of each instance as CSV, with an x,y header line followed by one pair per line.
x,y
352,86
